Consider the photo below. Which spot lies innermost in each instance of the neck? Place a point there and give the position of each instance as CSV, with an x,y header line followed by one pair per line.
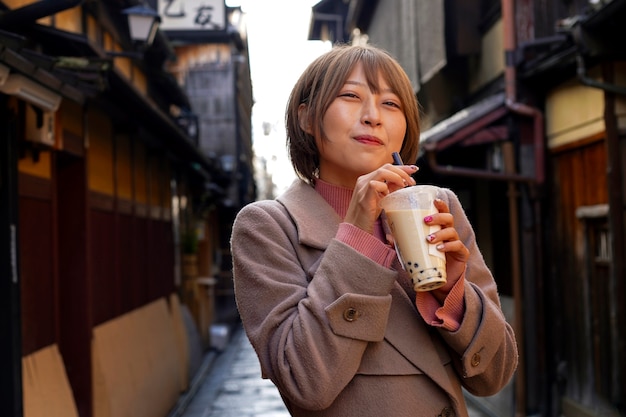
x,y
338,197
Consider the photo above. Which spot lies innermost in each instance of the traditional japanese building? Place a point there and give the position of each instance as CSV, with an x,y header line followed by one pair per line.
x,y
524,118
111,171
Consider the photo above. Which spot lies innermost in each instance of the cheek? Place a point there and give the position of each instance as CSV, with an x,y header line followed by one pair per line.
x,y
398,132
333,126
334,118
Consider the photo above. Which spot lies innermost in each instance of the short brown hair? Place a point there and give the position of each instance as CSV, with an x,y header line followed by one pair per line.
x,y
319,85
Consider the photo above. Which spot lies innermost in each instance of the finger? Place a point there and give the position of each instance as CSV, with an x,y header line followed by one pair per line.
x,y
381,187
399,176
456,248
444,235
441,206
441,219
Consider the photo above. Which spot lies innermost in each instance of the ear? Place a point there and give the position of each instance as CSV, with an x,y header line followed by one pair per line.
x,y
303,119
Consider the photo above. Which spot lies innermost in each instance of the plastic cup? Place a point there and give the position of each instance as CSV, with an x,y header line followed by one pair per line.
x,y
405,210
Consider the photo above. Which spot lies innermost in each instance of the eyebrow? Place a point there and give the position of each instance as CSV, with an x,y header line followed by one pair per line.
x,y
355,83
387,90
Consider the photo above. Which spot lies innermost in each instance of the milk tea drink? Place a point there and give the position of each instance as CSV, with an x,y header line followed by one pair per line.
x,y
405,210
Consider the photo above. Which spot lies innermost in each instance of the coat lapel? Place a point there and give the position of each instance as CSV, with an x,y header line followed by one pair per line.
x,y
414,341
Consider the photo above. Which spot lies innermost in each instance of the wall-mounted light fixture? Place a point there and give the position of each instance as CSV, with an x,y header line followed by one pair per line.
x,y
28,90
143,23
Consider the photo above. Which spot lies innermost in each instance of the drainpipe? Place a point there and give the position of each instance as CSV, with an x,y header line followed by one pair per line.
x,y
581,72
510,89
616,222
35,11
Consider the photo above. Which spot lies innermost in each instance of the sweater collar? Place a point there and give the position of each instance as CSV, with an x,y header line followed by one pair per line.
x,y
338,197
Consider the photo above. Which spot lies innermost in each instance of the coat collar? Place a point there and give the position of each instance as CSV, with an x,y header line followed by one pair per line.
x,y
315,227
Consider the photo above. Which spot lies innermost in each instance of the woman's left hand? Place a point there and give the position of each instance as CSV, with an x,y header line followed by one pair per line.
x,y
447,241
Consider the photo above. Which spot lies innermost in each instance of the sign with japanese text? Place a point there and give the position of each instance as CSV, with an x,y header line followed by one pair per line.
x,y
195,15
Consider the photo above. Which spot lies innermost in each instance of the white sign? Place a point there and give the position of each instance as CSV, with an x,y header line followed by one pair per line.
x,y
192,14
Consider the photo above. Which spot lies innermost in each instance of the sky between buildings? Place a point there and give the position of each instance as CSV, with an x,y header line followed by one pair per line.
x,y
279,52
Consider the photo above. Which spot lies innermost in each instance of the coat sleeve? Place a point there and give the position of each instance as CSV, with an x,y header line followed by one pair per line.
x,y
485,346
308,327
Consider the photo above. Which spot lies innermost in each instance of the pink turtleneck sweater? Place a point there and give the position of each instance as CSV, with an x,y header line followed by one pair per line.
x,y
375,247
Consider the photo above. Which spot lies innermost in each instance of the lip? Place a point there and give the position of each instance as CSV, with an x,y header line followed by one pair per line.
x,y
368,140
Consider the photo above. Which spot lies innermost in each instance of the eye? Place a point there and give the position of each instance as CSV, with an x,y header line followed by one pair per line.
x,y
395,104
348,94
390,99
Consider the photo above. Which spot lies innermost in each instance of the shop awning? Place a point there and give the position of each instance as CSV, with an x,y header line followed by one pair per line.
x,y
473,125
27,63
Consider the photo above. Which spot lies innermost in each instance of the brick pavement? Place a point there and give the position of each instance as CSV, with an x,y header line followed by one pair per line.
x,y
229,384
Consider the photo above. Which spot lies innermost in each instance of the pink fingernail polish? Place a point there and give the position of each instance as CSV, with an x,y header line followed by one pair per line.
x,y
428,219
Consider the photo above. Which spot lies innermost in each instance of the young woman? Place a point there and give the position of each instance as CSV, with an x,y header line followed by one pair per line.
x,y
325,303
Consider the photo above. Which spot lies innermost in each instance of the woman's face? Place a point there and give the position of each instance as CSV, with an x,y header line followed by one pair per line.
x,y
361,130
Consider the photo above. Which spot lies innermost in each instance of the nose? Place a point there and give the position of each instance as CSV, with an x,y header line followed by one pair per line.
x,y
370,113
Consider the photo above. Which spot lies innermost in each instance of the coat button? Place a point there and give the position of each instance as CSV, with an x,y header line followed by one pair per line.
x,y
446,412
475,360
351,314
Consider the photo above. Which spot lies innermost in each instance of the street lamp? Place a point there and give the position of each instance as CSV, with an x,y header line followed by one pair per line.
x,y
143,23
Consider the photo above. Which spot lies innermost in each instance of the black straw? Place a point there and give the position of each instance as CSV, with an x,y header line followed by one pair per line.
x,y
396,159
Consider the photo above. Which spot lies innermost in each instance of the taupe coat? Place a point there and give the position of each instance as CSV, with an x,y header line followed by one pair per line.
x,y
340,335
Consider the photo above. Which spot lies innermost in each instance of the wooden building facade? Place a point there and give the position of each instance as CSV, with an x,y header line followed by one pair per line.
x,y
101,176
524,117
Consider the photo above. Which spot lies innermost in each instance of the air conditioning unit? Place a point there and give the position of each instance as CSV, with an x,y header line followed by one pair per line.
x,y
28,90
39,126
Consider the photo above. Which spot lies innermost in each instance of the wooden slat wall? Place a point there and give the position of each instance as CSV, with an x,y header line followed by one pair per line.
x,y
36,264
105,281
579,175
96,238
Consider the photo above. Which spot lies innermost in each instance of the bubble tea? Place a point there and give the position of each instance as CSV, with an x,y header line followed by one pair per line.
x,y
405,210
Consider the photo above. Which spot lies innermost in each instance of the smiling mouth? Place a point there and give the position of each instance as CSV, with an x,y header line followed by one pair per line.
x,y
371,140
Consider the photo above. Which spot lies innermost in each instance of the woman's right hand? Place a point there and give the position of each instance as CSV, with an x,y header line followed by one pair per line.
x,y
371,188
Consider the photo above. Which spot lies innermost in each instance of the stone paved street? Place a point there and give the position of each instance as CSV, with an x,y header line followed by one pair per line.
x,y
232,387
244,393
